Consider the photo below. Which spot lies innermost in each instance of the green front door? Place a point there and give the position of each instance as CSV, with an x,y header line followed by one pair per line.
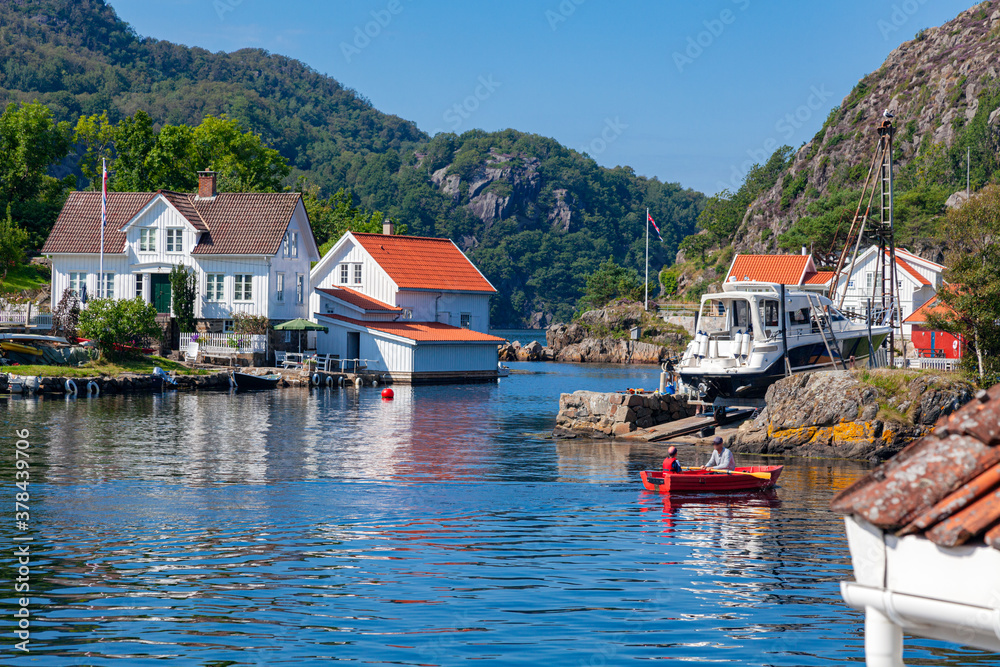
x,y
159,291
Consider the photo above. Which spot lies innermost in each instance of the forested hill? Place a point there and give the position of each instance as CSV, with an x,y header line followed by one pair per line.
x,y
943,90
534,215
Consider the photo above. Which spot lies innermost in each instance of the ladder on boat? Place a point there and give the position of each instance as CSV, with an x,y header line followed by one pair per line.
x,y
824,322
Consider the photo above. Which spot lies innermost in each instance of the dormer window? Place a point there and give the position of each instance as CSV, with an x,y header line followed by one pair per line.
x,y
344,272
175,240
357,274
147,240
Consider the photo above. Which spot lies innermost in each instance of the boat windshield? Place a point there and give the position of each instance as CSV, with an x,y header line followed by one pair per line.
x,y
714,316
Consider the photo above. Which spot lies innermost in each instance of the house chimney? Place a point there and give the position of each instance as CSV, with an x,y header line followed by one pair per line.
x,y
206,184
804,251
388,227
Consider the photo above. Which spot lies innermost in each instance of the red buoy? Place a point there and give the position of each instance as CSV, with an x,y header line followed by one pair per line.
x,y
387,394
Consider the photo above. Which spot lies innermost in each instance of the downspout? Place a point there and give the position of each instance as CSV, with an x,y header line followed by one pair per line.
x,y
440,294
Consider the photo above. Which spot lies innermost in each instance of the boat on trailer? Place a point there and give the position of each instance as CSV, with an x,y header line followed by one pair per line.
x,y
750,478
752,334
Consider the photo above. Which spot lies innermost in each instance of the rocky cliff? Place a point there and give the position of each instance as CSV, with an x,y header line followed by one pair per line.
x,y
942,88
850,414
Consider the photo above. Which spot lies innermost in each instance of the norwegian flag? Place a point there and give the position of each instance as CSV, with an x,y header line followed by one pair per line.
x,y
653,222
104,196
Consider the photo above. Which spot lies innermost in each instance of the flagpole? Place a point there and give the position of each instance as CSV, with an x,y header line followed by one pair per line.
x,y
104,220
646,306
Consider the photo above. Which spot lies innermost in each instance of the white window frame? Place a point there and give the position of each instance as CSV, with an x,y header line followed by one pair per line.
x,y
293,244
357,274
175,239
77,281
140,292
218,281
147,240
102,287
300,287
345,273
279,287
243,287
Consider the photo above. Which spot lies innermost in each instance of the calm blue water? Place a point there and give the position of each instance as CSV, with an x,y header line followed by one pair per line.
x,y
291,527
525,336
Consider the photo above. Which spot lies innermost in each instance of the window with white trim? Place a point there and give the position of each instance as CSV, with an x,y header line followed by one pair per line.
x,y
213,286
175,240
357,274
293,250
147,240
242,290
107,290
343,274
466,320
77,281
300,287
139,292
279,286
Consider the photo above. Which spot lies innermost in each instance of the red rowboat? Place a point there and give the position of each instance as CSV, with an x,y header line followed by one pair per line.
x,y
750,478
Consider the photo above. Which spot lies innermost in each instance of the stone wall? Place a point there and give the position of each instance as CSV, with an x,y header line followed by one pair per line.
x,y
607,415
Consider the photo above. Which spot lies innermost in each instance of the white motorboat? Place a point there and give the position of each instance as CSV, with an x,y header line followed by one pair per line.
x,y
502,371
752,334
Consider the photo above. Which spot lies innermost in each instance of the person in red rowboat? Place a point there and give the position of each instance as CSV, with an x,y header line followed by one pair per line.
x,y
671,464
722,458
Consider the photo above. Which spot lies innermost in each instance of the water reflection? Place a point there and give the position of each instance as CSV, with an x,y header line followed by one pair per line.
x,y
290,527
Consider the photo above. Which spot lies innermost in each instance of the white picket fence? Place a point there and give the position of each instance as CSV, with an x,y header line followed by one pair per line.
x,y
20,316
210,343
933,364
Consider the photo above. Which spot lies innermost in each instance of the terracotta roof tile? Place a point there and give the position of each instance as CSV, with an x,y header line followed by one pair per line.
x,y
945,485
935,306
906,254
237,223
415,262
912,271
820,278
422,331
358,299
78,227
780,269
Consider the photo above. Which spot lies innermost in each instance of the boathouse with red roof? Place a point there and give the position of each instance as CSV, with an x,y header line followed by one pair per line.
x,y
413,307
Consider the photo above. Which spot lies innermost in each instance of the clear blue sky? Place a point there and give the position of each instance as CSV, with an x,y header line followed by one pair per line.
x,y
689,92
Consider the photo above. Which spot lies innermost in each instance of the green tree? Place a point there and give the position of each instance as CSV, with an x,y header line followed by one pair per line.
x,y
29,143
610,282
95,137
183,292
973,234
243,162
134,139
13,241
116,324
330,218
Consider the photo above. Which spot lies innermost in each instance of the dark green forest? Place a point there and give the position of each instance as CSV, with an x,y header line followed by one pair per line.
x,y
160,110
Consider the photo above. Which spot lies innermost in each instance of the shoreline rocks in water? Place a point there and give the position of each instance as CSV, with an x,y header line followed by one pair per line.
x,y
602,415
849,414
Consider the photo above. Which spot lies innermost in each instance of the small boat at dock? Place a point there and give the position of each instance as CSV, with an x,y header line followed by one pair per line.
x,y
246,381
751,478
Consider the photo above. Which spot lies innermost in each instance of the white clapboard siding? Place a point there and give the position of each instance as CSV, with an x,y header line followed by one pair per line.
x,y
447,307
375,282
159,216
462,357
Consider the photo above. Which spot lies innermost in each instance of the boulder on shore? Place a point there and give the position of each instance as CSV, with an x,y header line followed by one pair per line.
x,y
850,414
602,415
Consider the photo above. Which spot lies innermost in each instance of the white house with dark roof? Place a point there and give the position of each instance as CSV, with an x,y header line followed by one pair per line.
x,y
251,252
413,307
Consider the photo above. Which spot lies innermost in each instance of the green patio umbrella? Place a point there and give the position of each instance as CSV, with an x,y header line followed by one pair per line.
x,y
301,325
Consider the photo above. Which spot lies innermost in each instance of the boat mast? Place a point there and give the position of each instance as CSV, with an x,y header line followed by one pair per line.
x,y
887,243
646,301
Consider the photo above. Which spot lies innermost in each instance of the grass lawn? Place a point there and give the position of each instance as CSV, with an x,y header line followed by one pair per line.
x,y
26,277
144,365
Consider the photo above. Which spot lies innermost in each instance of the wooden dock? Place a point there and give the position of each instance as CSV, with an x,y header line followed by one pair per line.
x,y
683,427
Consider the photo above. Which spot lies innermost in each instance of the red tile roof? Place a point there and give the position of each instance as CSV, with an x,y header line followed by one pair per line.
x,y
237,223
780,269
422,331
355,298
78,227
415,262
935,306
945,485
912,271
820,278
906,255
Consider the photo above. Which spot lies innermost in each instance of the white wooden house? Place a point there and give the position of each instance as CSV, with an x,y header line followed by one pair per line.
x,y
250,252
917,281
413,307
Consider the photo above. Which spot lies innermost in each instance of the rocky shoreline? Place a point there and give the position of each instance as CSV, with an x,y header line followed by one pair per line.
x,y
602,415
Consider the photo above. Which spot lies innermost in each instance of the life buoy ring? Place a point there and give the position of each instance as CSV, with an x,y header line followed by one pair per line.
x,y
93,389
340,380
70,387
329,380
315,379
